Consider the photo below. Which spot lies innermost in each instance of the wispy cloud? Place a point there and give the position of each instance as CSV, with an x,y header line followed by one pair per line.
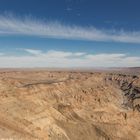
x,y
53,58
33,52
53,53
10,25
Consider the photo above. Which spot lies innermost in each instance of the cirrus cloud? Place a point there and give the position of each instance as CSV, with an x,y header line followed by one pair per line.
x,y
10,25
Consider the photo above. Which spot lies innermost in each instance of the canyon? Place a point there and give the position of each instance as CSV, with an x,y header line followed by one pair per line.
x,y
69,105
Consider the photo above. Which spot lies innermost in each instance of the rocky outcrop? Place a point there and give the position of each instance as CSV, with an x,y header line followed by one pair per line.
x,y
130,85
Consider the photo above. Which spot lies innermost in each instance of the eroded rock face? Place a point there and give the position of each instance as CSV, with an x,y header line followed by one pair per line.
x,y
130,85
43,105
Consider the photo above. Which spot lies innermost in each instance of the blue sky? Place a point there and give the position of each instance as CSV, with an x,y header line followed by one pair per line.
x,y
69,33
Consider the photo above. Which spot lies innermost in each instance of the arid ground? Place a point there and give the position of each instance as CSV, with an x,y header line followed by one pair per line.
x,y
69,105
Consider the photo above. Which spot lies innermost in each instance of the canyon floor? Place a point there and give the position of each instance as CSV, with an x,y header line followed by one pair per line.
x,y
69,105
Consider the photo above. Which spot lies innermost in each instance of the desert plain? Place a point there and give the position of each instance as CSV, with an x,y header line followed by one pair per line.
x,y
69,105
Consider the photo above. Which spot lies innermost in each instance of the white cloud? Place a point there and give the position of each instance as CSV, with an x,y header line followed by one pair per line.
x,y
34,52
53,53
107,57
58,54
16,26
52,58
79,54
